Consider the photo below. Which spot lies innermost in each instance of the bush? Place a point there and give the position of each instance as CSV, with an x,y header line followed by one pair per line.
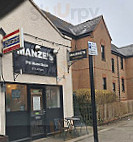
x,y
105,97
82,102
102,96
83,96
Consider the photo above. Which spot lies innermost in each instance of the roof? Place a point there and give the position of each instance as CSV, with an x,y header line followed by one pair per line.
x,y
86,27
7,6
63,26
126,51
114,48
74,30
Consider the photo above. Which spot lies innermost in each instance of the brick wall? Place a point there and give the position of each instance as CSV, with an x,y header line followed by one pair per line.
x,y
102,68
129,76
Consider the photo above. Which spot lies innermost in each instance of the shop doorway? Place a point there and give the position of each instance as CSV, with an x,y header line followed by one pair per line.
x,y
31,110
37,112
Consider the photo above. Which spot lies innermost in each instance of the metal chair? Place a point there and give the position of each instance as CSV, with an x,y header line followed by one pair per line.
x,y
61,128
79,123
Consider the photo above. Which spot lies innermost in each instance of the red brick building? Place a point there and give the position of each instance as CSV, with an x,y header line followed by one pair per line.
x,y
112,66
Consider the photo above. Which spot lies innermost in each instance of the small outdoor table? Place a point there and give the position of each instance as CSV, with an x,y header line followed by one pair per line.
x,y
71,123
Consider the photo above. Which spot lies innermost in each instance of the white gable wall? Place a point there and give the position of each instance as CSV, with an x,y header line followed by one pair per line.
x,y
32,22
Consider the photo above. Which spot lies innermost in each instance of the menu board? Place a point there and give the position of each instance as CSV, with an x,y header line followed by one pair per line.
x,y
36,103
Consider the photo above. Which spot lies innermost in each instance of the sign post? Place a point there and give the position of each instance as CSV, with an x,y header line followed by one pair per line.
x,y
75,56
93,51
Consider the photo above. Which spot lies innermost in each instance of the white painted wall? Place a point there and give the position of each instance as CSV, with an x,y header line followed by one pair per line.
x,y
32,22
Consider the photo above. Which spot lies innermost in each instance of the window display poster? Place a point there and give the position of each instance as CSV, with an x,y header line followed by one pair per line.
x,y
16,93
36,103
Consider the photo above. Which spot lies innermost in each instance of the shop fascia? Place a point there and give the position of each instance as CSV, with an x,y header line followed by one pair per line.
x,y
37,54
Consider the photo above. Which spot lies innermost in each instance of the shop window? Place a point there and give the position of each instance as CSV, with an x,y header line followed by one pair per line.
x,y
104,83
103,52
53,97
16,97
114,87
123,85
121,62
113,67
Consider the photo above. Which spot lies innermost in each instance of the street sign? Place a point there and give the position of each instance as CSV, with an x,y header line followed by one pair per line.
x,y
92,48
77,55
13,41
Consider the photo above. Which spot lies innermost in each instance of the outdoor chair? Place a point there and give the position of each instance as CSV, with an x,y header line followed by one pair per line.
x,y
62,127
79,124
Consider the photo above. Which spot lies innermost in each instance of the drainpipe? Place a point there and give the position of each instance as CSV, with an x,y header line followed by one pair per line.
x,y
118,73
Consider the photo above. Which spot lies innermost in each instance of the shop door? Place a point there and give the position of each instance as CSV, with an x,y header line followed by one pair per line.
x,y
38,112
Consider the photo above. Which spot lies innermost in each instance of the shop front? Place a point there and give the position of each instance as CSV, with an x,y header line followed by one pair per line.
x,y
31,110
36,87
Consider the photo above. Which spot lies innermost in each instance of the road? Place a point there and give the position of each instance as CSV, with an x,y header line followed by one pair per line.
x,y
121,131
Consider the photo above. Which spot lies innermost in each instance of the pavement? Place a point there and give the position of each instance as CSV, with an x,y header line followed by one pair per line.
x,y
119,131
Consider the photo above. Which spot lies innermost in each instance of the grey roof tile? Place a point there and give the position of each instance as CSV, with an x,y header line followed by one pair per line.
x,y
86,27
59,23
114,48
75,30
126,51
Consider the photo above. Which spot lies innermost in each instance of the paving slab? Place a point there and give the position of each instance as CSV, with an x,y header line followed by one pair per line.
x,y
120,131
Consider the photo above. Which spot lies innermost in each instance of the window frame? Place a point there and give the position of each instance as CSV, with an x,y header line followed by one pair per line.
x,y
122,67
114,86
123,84
49,94
113,65
103,53
16,102
104,83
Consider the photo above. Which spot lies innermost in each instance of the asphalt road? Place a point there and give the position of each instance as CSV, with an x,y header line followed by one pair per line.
x,y
121,131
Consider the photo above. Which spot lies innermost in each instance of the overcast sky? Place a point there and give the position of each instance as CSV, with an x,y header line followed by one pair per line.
x,y
118,15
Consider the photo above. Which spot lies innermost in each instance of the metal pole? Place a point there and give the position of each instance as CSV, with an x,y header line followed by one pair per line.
x,y
93,103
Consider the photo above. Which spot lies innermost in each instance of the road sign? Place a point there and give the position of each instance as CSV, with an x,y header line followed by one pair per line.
x,y
92,48
13,41
77,55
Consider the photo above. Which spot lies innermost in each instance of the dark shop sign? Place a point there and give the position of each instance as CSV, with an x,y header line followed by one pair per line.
x,y
77,55
28,61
